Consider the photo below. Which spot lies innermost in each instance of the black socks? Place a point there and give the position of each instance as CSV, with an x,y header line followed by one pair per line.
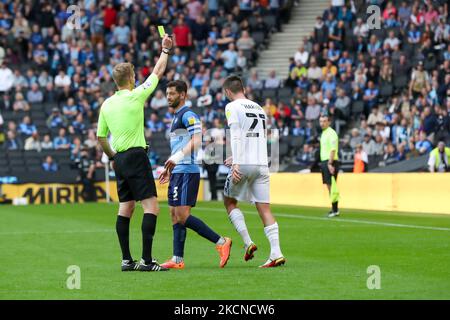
x,y
148,231
123,232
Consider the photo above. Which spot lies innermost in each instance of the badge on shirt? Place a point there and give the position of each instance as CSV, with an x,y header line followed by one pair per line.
x,y
192,120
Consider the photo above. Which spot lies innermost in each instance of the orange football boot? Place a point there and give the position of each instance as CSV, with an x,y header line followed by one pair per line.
x,y
170,264
224,251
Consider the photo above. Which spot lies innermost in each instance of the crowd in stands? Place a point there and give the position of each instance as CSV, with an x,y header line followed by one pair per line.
x,y
55,68
391,85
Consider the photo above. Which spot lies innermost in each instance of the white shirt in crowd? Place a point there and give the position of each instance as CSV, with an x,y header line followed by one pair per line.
x,y
62,80
6,79
301,57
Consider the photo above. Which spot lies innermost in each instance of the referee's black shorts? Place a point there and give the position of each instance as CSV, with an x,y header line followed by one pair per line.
x,y
134,175
326,174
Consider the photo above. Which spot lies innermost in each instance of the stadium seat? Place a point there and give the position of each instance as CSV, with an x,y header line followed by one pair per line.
x,y
284,149
400,82
357,107
296,142
386,90
259,38
252,22
33,161
269,93
271,22
15,154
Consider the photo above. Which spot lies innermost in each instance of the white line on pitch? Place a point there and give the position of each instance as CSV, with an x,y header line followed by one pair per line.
x,y
13,233
299,216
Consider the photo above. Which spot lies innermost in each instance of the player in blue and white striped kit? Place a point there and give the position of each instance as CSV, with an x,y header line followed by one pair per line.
x,y
183,172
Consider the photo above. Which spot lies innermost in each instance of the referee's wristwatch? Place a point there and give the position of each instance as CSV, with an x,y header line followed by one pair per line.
x,y
166,51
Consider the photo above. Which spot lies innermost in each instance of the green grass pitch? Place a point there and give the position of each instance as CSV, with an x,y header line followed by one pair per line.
x,y
326,258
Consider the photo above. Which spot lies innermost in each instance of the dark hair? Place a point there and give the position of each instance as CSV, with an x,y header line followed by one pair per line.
x,y
234,84
180,86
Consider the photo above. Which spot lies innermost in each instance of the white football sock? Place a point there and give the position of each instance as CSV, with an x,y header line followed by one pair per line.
x,y
177,259
274,239
238,220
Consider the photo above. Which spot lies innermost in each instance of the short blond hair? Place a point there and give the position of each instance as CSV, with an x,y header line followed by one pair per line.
x,y
122,73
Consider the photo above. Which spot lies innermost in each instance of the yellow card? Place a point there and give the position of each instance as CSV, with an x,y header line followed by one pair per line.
x,y
161,31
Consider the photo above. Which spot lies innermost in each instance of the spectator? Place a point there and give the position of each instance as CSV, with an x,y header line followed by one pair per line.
x,y
62,80
61,141
183,36
306,156
314,71
342,105
242,61
254,82
154,124
361,29
229,58
122,33
56,119
12,142
158,101
356,138
312,110
205,99
379,145
47,143
245,42
423,145
368,145
49,165
70,109
391,156
20,104
26,128
301,56
419,81
6,78
361,160
370,97
35,95
33,142
439,159
272,82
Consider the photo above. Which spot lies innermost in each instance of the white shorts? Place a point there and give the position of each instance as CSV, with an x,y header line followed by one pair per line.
x,y
253,187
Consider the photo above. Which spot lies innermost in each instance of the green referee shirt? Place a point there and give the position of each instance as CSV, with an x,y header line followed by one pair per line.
x,y
329,141
123,115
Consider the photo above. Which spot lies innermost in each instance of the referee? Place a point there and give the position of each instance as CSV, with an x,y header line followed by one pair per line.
x,y
329,160
123,115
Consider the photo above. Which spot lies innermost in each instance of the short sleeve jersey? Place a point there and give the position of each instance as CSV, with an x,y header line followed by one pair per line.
x,y
123,115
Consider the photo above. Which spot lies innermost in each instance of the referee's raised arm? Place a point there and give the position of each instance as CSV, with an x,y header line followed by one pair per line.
x,y
122,115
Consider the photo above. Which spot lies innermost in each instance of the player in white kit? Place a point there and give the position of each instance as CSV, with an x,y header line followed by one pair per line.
x,y
248,179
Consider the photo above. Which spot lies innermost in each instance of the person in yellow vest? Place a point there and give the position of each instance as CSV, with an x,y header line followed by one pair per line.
x,y
329,160
439,160
360,160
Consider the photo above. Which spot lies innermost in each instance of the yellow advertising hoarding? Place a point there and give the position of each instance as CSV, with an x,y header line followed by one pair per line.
x,y
409,192
70,193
